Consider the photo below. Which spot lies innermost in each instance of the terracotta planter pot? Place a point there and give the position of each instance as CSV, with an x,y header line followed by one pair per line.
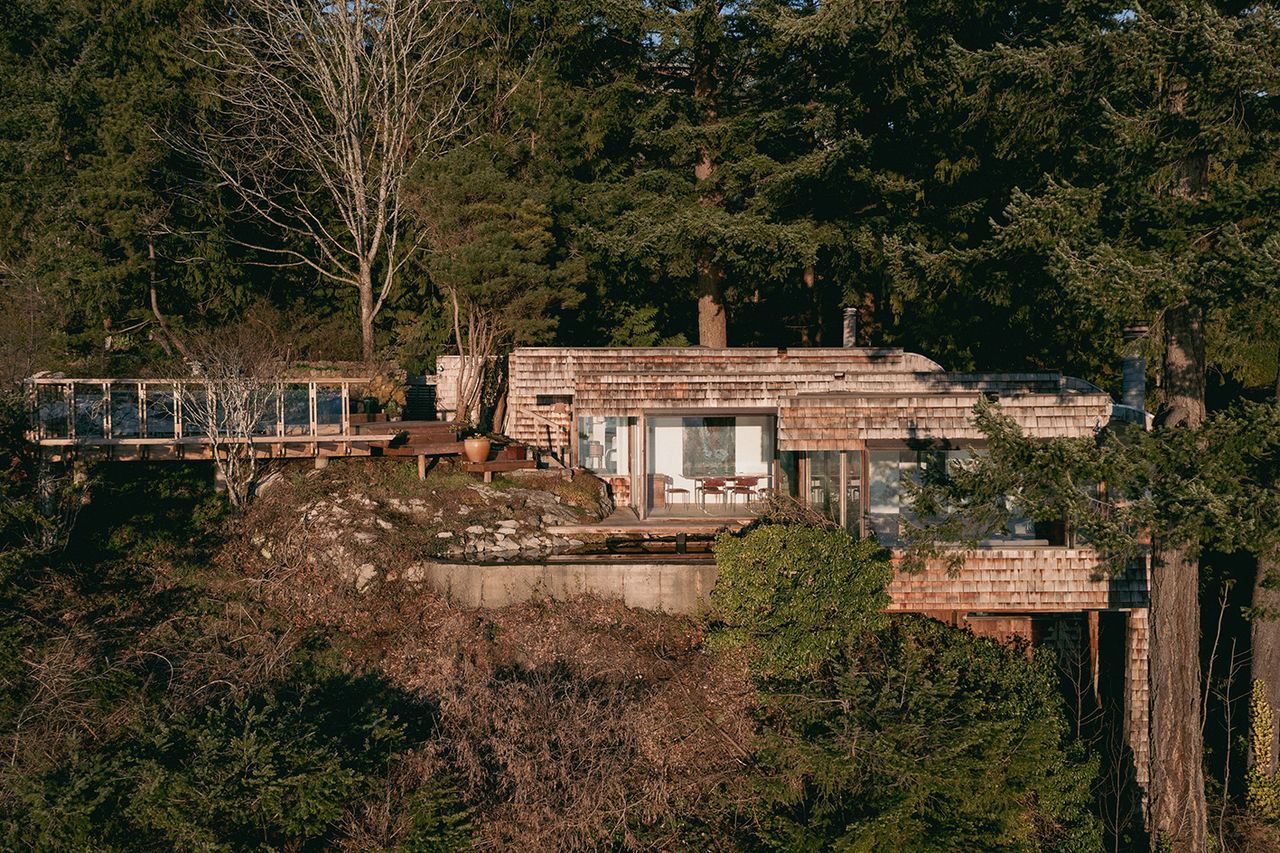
x,y
477,449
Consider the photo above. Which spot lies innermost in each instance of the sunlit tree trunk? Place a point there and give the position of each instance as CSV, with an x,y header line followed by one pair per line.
x,y
1265,639
713,329
1178,811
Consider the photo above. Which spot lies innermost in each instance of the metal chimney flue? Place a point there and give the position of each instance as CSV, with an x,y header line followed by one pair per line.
x,y
1133,388
850,327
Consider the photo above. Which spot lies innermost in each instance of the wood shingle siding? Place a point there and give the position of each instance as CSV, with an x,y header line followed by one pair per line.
x,y
826,399
1033,579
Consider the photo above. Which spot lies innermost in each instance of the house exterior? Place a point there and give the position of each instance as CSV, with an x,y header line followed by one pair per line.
x,y
696,433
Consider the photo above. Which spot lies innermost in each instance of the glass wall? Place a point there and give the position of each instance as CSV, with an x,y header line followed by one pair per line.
x,y
835,486
824,483
888,499
885,491
708,465
853,491
604,445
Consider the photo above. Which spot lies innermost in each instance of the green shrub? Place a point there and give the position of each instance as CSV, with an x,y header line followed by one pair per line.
x,y
928,738
884,734
796,596
275,770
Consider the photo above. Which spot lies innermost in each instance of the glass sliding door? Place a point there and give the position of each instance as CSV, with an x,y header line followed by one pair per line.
x,y
824,483
834,486
707,464
852,491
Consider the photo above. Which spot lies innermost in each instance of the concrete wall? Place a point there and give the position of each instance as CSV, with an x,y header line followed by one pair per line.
x,y
673,587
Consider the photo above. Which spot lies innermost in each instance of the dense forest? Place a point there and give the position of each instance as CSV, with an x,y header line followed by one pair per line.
x,y
996,185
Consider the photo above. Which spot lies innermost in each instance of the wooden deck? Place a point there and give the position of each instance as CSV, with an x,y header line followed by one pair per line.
x,y
159,419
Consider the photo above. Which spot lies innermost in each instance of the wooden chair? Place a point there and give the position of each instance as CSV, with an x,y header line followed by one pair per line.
x,y
745,486
711,486
674,490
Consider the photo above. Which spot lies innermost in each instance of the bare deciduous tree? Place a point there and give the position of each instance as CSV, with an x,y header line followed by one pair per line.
x,y
479,332
239,382
323,109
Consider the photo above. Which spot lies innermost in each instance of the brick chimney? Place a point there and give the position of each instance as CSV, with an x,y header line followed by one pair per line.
x,y
1133,388
850,327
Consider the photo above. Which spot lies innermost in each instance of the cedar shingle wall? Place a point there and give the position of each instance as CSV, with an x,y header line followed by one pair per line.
x,y
626,381
1034,580
825,397
820,423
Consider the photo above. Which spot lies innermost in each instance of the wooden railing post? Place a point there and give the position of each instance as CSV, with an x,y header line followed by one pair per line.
x,y
313,417
31,391
346,417
70,395
142,410
346,408
177,412
106,410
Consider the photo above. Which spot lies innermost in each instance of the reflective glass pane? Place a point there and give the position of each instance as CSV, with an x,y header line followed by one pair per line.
x,y
297,411
824,483
328,410
124,412
51,410
160,412
90,406
853,492
604,445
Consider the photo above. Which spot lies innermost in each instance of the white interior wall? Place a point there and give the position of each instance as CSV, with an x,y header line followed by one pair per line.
x,y
753,441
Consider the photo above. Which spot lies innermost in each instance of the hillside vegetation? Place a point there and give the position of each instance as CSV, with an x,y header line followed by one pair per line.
x,y
168,684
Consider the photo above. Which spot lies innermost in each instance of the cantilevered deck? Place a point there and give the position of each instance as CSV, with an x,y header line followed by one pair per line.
x,y
158,419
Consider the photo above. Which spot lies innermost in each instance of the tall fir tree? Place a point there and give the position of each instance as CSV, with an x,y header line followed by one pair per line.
x,y
1161,214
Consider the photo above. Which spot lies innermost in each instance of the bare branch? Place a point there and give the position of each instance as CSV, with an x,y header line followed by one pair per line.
x,y
322,112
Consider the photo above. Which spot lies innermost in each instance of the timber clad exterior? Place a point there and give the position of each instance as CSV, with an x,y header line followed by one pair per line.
x,y
688,433
837,400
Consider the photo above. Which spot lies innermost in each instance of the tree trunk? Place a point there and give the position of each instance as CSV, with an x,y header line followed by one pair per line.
x,y
1178,813
713,330
809,333
366,315
1265,634
1265,660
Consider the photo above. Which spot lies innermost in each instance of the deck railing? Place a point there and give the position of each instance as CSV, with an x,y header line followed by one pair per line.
x,y
67,411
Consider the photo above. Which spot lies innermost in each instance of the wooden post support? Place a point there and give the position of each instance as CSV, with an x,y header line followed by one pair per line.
x,y
422,466
312,417
345,404
1093,618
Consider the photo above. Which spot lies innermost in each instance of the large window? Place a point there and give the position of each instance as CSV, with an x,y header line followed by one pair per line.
x,y
714,465
604,445
888,502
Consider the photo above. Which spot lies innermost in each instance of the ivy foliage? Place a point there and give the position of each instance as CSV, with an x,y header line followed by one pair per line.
x,y
1262,788
880,733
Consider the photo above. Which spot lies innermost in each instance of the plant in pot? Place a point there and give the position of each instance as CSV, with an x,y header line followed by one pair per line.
x,y
476,446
